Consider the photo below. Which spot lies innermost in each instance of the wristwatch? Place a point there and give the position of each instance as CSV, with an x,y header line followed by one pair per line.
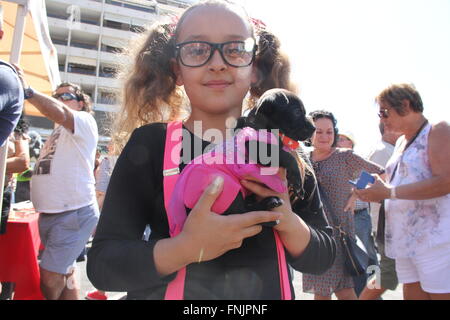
x,y
28,93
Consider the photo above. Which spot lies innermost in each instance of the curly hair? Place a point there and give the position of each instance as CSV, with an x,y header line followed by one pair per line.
x,y
150,93
274,69
319,114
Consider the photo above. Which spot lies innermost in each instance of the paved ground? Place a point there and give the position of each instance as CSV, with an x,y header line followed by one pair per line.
x,y
86,286
389,295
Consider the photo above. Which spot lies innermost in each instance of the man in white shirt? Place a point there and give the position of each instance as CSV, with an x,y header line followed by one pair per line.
x,y
63,186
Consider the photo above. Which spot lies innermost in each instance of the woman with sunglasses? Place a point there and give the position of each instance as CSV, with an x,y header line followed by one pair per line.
x,y
212,55
416,194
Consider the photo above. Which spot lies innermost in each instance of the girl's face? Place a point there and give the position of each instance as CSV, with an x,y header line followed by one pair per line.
x,y
324,136
215,88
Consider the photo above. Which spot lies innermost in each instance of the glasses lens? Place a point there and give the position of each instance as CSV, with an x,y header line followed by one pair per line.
x,y
195,53
235,53
383,113
238,54
65,96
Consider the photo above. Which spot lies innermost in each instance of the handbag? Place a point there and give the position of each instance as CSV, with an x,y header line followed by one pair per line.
x,y
356,259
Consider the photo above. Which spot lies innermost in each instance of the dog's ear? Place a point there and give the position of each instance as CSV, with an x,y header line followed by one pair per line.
x,y
256,119
272,101
264,115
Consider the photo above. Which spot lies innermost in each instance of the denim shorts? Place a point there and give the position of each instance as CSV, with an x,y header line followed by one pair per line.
x,y
64,236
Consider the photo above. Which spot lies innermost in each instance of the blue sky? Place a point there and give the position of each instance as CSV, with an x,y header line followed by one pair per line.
x,y
345,52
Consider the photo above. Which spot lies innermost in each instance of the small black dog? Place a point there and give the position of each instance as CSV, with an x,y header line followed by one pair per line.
x,y
283,110
277,109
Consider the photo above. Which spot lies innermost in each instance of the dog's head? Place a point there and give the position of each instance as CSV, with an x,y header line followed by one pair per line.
x,y
283,110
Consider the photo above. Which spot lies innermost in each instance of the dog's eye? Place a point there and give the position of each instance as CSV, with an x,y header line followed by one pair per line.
x,y
297,113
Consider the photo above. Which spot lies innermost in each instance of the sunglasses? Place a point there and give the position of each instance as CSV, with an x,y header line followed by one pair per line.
x,y
66,96
237,54
384,113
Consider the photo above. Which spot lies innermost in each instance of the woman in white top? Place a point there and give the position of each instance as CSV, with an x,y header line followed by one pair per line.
x,y
418,193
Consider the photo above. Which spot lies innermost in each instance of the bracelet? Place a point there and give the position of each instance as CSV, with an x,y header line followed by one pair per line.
x,y
393,193
200,256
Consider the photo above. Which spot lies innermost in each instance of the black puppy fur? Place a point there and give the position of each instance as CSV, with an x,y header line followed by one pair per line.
x,y
283,110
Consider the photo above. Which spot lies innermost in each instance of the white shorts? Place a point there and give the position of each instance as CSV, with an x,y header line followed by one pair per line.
x,y
431,268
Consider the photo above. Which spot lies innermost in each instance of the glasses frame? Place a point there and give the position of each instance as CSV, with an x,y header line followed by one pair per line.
x,y
72,95
214,47
383,114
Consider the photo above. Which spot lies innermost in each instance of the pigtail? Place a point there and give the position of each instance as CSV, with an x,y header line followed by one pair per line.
x,y
274,71
273,67
149,90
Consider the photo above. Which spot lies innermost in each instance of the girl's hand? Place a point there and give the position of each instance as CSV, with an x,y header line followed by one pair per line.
x,y
261,191
209,235
375,192
293,231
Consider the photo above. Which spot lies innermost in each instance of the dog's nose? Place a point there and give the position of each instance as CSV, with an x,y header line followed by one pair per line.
x,y
307,131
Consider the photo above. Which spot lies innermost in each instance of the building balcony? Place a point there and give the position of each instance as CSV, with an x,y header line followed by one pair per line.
x,y
106,107
85,54
89,55
84,78
60,25
90,10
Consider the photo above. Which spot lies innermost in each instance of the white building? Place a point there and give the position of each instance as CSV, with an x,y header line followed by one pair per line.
x,y
87,35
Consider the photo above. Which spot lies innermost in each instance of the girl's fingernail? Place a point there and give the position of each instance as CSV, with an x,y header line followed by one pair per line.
x,y
216,185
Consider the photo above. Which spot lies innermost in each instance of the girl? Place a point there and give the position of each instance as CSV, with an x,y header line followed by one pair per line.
x,y
212,54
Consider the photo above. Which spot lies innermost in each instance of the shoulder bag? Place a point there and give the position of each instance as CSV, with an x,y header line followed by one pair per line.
x,y
356,259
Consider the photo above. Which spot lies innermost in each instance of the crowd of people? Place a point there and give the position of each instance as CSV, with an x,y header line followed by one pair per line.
x,y
222,62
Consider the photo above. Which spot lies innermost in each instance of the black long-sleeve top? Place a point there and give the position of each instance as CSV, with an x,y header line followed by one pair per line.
x,y
121,260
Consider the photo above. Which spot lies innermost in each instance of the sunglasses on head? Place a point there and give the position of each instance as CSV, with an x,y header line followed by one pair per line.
x,y
66,96
384,113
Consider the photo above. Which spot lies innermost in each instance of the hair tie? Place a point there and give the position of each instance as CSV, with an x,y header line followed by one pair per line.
x,y
172,26
258,24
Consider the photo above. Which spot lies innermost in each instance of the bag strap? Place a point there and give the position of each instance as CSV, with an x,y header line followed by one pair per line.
x,y
326,204
171,172
282,269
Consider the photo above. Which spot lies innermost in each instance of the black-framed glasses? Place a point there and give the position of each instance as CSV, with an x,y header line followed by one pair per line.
x,y
237,54
384,113
66,96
